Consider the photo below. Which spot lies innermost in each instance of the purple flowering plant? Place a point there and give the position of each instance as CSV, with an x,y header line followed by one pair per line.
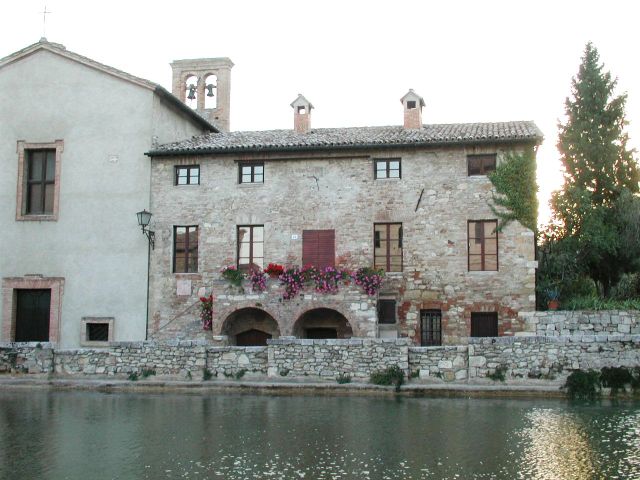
x,y
206,312
258,280
369,279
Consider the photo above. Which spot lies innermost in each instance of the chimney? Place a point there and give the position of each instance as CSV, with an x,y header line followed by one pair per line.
x,y
301,114
413,104
204,84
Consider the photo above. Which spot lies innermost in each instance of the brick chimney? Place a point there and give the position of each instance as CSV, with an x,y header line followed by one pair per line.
x,y
301,114
413,104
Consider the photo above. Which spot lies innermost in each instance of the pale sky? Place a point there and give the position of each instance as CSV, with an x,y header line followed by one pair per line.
x,y
472,61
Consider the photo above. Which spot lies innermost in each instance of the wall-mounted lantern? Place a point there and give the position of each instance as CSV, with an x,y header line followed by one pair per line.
x,y
144,218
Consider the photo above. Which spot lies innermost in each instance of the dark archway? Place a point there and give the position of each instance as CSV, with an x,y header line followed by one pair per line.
x,y
249,327
322,323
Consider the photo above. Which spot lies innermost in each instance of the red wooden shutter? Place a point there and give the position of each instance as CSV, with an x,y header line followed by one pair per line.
x,y
319,248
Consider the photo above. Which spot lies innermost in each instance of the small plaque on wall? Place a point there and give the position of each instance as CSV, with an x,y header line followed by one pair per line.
x,y
183,288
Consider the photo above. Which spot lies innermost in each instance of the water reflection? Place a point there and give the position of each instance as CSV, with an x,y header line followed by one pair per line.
x,y
60,435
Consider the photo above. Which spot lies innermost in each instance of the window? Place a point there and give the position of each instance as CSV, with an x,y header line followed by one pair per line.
x,y
411,104
96,331
38,180
483,245
185,249
188,175
251,173
387,239
481,164
387,168
250,247
319,248
430,327
386,311
484,324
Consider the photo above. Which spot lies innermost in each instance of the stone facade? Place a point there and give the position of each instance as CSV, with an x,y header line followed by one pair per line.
x,y
581,322
434,200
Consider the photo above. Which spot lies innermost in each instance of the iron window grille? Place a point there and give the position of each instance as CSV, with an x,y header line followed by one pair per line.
x,y
430,327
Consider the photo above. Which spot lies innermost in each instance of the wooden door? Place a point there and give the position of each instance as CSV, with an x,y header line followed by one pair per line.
x,y
32,315
252,338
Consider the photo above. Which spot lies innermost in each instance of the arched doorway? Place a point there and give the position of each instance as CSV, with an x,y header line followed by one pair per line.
x,y
250,327
322,323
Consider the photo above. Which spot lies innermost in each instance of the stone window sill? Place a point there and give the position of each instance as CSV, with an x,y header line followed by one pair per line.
x,y
37,218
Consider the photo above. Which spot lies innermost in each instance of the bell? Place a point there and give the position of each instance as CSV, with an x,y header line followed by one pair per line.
x,y
210,88
192,92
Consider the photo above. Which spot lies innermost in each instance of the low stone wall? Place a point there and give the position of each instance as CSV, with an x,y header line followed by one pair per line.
x,y
581,322
550,357
355,357
236,361
531,357
447,363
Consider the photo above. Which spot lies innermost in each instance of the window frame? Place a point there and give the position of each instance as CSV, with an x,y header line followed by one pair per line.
x,y
251,165
492,316
187,250
84,333
482,254
387,162
484,168
189,168
380,309
431,336
251,242
23,150
387,256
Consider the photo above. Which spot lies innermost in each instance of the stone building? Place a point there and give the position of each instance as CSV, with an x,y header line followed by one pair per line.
x,y
409,199
73,133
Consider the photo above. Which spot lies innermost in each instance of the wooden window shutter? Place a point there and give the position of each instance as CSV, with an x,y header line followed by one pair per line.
x,y
319,248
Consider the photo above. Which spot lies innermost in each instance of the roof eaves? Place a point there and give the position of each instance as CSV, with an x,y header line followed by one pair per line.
x,y
175,101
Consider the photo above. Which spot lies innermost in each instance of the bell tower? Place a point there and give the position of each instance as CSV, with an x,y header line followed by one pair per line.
x,y
204,84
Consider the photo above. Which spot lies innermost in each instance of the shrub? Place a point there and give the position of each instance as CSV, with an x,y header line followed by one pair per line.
x,y
389,376
595,302
147,372
240,373
615,378
232,275
498,374
343,378
133,377
581,384
206,374
284,372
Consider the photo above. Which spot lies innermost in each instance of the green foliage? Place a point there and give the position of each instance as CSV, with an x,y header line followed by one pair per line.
x,y
515,182
189,376
147,372
240,373
597,212
583,385
498,374
343,378
284,372
628,288
133,377
615,378
206,374
389,376
415,374
595,302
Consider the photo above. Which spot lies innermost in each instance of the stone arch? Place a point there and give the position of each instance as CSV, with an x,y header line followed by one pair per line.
x,y
249,326
322,322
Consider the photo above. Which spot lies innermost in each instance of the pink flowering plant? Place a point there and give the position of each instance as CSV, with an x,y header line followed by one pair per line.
x,y
258,280
369,279
327,279
293,280
232,275
206,312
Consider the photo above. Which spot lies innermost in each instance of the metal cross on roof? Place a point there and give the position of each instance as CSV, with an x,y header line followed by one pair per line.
x,y
44,21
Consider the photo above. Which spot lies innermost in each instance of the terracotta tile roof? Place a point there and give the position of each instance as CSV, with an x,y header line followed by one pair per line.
x,y
353,138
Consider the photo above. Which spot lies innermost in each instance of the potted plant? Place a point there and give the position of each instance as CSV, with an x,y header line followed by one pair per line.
x,y
274,270
232,275
206,312
553,296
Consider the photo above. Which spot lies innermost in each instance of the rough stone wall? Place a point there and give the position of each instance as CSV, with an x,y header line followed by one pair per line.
x,y
549,357
357,358
556,323
172,358
229,362
26,357
447,363
338,191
